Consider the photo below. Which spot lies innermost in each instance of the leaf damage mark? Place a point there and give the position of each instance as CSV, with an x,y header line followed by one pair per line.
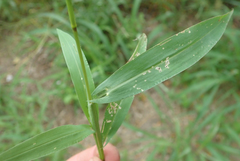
x,y
167,62
159,69
108,121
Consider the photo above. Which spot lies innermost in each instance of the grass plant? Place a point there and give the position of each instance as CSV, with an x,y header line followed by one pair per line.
x,y
125,31
121,86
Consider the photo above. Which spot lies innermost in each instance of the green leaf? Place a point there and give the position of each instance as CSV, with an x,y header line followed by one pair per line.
x,y
140,48
226,148
48,142
233,134
54,16
163,61
71,56
114,116
140,131
117,111
216,154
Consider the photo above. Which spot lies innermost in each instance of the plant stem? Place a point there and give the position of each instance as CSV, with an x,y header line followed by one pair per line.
x,y
93,107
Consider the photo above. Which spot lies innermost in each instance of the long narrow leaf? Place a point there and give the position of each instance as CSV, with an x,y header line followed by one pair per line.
x,y
48,142
114,116
140,48
71,56
163,61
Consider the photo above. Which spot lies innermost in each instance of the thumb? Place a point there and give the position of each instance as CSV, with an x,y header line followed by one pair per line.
x,y
95,159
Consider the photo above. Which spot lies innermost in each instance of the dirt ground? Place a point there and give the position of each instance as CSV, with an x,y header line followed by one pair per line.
x,y
141,115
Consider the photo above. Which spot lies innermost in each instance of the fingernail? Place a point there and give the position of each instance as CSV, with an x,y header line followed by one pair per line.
x,y
95,159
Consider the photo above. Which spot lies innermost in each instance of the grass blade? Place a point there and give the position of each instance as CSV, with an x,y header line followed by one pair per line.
x,y
69,49
163,61
53,16
233,134
136,129
48,142
114,116
152,154
140,48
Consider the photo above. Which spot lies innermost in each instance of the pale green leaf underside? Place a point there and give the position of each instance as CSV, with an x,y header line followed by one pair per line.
x,y
48,142
117,111
140,48
162,61
109,117
114,118
71,56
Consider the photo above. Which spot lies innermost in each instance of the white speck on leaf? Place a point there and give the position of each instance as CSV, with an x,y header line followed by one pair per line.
x,y
55,148
34,143
167,62
159,69
144,73
109,111
183,31
189,31
113,106
108,121
163,48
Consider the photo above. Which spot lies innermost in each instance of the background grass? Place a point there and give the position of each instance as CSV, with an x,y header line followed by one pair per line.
x,y
209,91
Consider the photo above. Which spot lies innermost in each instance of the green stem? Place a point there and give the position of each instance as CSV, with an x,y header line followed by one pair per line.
x,y
93,107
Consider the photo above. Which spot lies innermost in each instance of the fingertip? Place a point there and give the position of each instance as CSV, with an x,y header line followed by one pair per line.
x,y
84,155
95,159
111,153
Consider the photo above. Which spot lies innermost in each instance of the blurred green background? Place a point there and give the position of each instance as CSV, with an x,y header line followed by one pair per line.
x,y
34,77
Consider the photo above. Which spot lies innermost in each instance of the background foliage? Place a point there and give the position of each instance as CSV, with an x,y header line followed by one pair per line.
x,y
209,90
